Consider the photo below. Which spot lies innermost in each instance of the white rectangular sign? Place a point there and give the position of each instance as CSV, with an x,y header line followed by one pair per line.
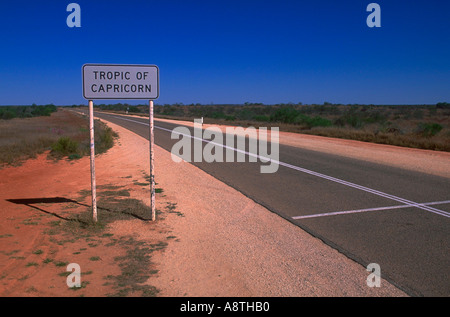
x,y
111,81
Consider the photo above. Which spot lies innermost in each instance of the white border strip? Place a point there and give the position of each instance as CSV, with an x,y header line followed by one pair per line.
x,y
369,209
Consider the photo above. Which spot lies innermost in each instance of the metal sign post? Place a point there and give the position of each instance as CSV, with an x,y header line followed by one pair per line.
x,y
92,145
114,81
152,163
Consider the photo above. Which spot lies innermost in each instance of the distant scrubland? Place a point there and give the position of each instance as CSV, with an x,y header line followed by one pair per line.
x,y
417,126
10,112
64,134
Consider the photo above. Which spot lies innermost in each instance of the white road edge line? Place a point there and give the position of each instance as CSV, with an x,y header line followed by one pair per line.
x,y
368,209
304,170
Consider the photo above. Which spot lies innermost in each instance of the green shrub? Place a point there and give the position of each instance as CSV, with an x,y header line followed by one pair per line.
x,y
350,119
104,138
262,118
284,115
429,129
443,105
319,122
245,114
354,121
230,118
74,156
133,109
218,115
316,121
65,146
7,114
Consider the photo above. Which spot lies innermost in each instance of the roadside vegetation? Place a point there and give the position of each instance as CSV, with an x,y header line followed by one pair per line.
x,y
63,133
416,126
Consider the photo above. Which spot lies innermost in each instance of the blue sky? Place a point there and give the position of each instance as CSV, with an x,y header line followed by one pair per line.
x,y
215,51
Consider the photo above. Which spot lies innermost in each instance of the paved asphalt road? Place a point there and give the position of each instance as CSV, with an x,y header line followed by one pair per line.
x,y
377,223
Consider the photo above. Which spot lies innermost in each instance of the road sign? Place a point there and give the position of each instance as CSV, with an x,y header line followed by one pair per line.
x,y
113,81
